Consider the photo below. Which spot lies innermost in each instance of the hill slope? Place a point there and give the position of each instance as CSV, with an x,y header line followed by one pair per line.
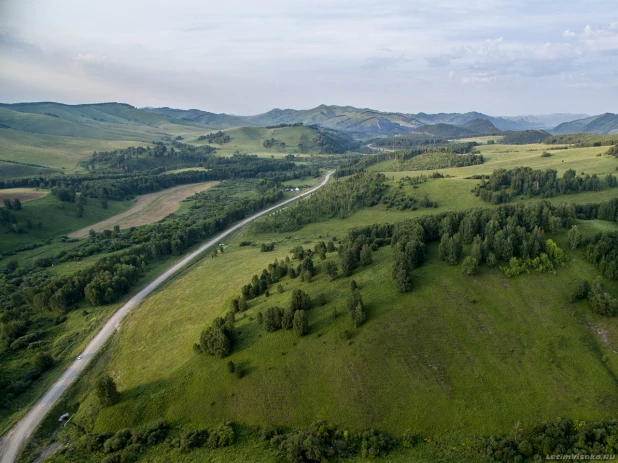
x,y
361,122
603,124
58,135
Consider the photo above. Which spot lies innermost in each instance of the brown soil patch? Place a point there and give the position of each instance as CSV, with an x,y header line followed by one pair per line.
x,y
147,208
23,194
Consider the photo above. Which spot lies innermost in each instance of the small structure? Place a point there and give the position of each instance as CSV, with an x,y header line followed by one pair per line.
x,y
63,417
297,189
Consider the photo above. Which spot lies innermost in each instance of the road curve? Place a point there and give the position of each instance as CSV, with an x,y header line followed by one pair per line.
x,y
14,440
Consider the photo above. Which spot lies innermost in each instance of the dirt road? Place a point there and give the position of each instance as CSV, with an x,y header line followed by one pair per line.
x,y
14,440
147,208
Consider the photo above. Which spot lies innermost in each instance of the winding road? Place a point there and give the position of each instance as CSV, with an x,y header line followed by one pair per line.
x,y
14,440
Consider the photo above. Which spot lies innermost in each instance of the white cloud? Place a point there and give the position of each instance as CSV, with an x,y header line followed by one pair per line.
x,y
243,56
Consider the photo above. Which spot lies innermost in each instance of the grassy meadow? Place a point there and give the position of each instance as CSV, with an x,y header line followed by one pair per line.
x,y
57,219
457,357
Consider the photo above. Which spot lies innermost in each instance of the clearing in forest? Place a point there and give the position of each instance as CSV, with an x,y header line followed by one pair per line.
x,y
148,208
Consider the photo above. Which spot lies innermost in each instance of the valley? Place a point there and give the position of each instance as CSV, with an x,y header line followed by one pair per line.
x,y
431,268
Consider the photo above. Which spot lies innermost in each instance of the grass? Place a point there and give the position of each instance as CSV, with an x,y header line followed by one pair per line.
x,y
433,361
510,156
457,357
70,338
250,140
57,219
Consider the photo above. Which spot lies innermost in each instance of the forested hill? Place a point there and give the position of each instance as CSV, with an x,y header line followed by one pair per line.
x,y
606,124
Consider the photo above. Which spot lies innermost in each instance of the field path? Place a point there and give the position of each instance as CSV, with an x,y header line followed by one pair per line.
x,y
14,440
147,208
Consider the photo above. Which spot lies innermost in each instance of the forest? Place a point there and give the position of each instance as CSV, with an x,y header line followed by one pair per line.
x,y
503,185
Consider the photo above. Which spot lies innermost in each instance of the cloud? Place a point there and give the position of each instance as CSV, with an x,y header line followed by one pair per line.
x,y
246,57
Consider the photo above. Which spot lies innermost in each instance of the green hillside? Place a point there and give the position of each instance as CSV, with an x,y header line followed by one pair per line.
x,y
56,136
456,358
281,141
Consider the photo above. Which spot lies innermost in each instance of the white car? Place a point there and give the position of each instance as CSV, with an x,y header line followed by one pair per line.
x,y
79,357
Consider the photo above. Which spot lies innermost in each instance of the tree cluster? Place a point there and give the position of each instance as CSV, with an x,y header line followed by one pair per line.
x,y
504,184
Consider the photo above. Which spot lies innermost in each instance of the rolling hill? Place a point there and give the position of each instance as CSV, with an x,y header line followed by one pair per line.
x,y
58,136
359,122
606,124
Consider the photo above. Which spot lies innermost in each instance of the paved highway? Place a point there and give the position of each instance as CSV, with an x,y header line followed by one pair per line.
x,y
18,435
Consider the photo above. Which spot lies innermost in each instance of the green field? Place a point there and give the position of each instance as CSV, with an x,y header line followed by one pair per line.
x,y
455,358
433,361
57,219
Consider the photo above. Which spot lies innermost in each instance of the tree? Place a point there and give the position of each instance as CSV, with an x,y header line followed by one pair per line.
x,y
80,209
272,319
215,341
17,204
106,391
470,265
356,308
330,270
366,255
301,326
348,262
260,318
104,203
287,321
300,300
450,248
581,288
231,367
7,203
242,304
574,237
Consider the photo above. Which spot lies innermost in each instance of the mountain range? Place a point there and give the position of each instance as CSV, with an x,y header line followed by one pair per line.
x,y
103,121
364,122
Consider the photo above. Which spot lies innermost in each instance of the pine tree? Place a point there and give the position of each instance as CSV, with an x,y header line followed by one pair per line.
x,y
301,326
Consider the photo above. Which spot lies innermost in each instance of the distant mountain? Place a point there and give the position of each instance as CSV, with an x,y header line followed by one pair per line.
x,y
200,117
603,124
359,122
545,121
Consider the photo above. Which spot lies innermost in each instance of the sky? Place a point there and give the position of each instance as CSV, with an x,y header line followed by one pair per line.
x,y
500,57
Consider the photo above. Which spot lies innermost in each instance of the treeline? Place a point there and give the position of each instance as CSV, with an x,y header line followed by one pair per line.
x,y
126,159
582,140
358,164
281,126
336,199
568,439
120,187
524,137
499,234
505,184
405,142
272,143
219,137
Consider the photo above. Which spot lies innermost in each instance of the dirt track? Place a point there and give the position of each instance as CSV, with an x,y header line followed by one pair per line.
x,y
147,208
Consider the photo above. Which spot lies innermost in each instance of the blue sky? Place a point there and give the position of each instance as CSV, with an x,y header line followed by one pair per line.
x,y
502,57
